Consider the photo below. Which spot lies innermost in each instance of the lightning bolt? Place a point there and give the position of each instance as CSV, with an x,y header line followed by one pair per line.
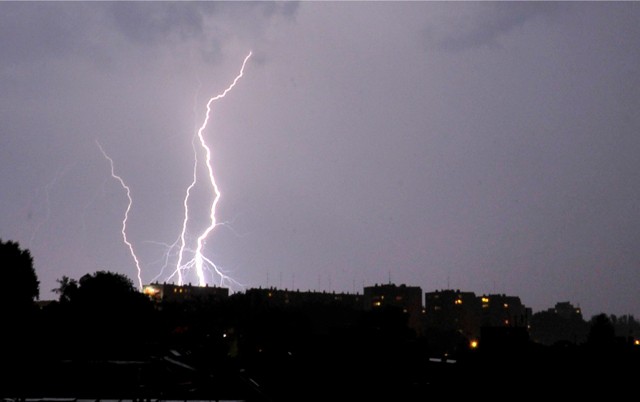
x,y
199,260
126,214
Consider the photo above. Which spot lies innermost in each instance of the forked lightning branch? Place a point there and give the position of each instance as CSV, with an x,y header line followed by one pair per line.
x,y
190,256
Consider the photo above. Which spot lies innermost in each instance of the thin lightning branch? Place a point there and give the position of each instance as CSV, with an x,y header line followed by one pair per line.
x,y
165,259
47,206
182,238
179,266
126,214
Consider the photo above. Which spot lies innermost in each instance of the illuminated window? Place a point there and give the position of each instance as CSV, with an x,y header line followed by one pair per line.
x,y
377,303
458,301
473,344
505,305
485,300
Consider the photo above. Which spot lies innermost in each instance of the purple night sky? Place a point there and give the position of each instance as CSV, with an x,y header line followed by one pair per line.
x,y
491,147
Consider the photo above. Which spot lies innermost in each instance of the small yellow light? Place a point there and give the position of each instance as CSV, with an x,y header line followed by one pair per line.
x,y
473,344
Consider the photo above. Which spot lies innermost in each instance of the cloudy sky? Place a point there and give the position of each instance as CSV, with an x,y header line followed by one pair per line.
x,y
491,147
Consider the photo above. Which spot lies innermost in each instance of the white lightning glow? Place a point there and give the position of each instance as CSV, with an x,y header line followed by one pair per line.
x,y
199,259
126,215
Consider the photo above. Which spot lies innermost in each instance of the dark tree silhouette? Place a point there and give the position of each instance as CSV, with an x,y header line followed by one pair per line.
x,y
67,289
106,314
18,313
23,287
601,332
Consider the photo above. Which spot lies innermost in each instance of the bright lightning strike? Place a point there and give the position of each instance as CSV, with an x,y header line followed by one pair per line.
x,y
126,214
199,260
200,263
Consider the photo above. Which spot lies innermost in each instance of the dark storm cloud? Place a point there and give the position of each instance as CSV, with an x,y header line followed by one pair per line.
x,y
152,24
33,31
465,26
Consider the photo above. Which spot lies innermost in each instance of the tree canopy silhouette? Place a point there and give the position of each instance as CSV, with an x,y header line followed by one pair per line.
x,y
16,267
601,331
104,296
67,289
18,312
104,313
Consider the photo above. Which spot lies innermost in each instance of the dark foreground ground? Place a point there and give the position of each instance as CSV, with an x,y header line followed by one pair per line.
x,y
385,374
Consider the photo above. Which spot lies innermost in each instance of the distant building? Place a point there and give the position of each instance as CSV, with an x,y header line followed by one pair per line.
x,y
453,311
273,297
301,314
567,311
561,324
170,293
407,298
499,310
